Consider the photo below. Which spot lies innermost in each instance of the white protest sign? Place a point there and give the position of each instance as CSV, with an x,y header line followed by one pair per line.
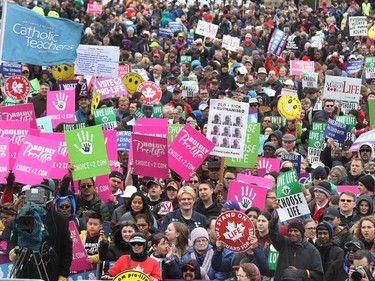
x,y
342,88
285,91
190,88
358,26
230,43
227,124
100,61
207,29
309,79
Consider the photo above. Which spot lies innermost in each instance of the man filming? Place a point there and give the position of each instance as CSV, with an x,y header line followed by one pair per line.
x,y
362,268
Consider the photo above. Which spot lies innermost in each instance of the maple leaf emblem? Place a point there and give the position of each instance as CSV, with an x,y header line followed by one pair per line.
x,y
138,268
235,231
148,93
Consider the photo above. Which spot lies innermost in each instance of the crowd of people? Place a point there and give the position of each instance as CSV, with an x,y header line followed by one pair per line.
x,y
165,227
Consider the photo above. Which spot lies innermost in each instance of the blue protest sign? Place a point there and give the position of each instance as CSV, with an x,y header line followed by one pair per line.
x,y
45,124
336,130
123,140
164,33
11,69
294,158
354,66
174,26
189,40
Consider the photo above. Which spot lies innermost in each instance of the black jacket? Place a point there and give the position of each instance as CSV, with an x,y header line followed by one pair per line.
x,y
213,210
329,253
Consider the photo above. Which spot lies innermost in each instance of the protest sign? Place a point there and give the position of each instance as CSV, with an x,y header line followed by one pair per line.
x,y
370,67
278,41
347,106
358,26
315,145
123,140
316,41
173,130
34,160
227,124
35,86
152,122
304,178
351,121
164,33
102,188
371,106
255,180
150,130
250,155
230,43
17,87
336,130
157,111
131,275
352,188
44,124
184,59
60,165
309,79
132,81
20,112
342,88
105,116
294,158
285,91
11,69
289,107
110,140
151,92
174,26
298,66
94,8
97,60
40,40
150,155
4,158
207,29
247,194
87,152
79,261
291,200
187,152
110,87
73,126
353,66
190,88
123,69
273,256
234,230
319,126
72,84
16,131
269,164
61,106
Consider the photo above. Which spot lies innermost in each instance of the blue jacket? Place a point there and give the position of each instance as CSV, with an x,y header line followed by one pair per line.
x,y
197,220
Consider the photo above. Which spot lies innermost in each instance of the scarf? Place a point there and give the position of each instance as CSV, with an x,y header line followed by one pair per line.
x,y
206,264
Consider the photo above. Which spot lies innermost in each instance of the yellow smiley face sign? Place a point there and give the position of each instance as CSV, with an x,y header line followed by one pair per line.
x,y
371,32
63,72
289,107
131,275
95,102
132,81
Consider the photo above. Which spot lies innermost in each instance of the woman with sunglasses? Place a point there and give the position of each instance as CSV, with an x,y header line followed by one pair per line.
x,y
194,181
67,207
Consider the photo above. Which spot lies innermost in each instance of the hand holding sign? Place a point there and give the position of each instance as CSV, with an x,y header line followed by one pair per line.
x,y
86,143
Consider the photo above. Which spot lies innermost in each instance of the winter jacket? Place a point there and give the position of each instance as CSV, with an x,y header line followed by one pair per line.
x,y
369,200
95,204
169,267
213,210
165,19
329,253
338,270
304,256
196,220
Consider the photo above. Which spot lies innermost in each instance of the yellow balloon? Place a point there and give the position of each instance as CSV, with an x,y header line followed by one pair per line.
x,y
63,72
289,107
132,81
371,32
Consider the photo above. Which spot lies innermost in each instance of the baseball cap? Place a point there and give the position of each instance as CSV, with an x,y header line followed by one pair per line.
x,y
138,237
331,213
152,182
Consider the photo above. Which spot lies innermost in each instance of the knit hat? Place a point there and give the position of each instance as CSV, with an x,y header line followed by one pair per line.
x,y
324,187
368,181
325,226
269,144
319,172
198,232
231,206
297,224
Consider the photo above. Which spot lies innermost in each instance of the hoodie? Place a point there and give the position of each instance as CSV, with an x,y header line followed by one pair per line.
x,y
372,156
165,19
277,134
369,200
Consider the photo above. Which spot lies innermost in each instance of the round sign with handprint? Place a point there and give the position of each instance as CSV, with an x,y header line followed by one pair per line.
x,y
151,91
235,230
17,87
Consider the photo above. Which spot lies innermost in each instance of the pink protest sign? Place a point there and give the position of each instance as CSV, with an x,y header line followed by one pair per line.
x,y
35,160
123,69
16,131
247,195
297,66
263,182
156,131
352,188
269,164
4,158
110,87
94,8
102,187
152,122
150,155
79,262
60,165
61,106
187,151
20,112
110,140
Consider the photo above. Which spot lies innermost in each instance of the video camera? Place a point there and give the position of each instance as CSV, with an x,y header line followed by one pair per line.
x,y
360,272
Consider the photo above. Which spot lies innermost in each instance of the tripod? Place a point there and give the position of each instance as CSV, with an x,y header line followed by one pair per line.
x,y
27,256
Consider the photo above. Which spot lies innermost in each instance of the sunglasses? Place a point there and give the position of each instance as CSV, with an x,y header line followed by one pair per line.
x,y
137,244
64,207
370,172
365,150
319,178
352,250
268,121
185,269
329,105
86,186
193,181
346,200
253,105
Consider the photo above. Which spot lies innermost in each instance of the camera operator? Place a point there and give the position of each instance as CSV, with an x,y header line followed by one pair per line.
x,y
362,268
55,245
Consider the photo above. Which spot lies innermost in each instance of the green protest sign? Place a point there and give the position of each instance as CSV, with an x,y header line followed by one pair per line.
x,y
349,120
173,130
277,121
371,109
184,59
370,67
250,155
315,145
87,152
158,111
291,200
139,114
273,256
73,126
318,126
35,87
10,101
105,116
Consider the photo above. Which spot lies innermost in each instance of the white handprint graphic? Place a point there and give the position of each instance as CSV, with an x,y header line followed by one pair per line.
x,y
264,164
61,99
86,142
248,195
